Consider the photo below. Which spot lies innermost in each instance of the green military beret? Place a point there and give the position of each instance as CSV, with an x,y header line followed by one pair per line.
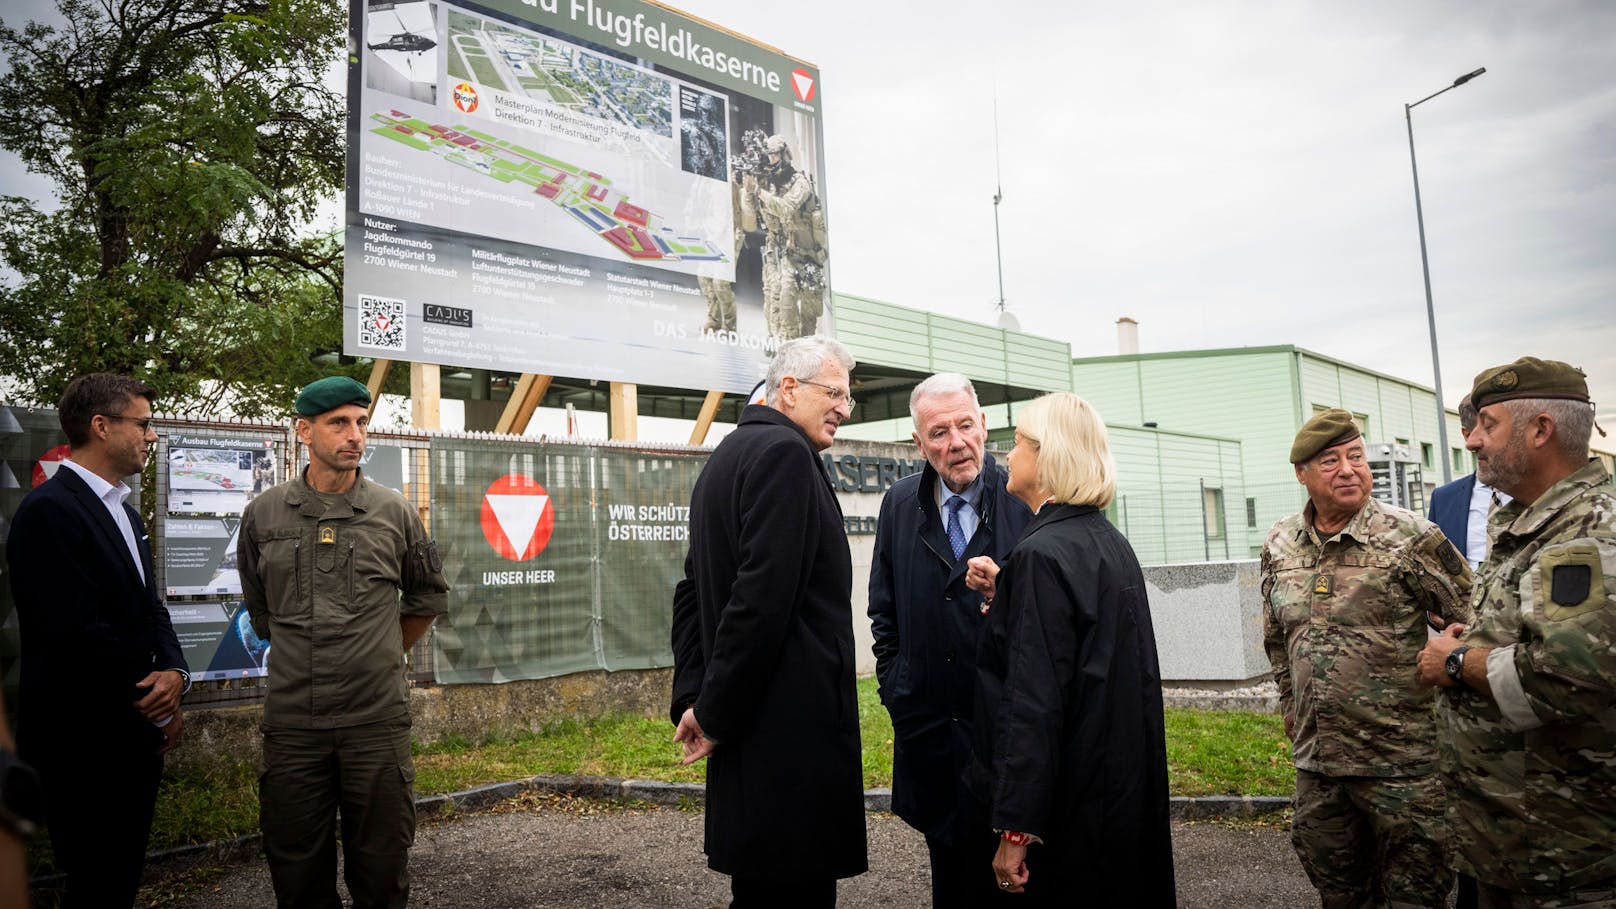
x,y
330,392
1333,427
1529,377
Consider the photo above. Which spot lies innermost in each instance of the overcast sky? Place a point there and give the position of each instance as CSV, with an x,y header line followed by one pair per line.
x,y
1228,173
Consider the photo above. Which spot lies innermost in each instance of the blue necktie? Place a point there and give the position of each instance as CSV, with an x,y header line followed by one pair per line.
x,y
956,533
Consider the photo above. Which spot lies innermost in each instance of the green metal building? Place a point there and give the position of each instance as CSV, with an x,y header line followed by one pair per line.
x,y
1180,492
1262,396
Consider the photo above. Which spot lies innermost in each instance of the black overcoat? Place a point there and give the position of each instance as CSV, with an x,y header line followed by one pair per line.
x,y
1069,742
763,649
926,624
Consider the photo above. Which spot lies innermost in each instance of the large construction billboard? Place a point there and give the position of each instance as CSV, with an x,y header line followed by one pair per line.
x,y
600,189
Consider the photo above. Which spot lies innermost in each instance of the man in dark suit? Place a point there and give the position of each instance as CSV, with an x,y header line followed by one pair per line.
x,y
927,623
102,673
763,644
1461,508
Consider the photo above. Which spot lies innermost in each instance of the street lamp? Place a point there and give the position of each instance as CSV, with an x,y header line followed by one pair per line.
x,y
1425,266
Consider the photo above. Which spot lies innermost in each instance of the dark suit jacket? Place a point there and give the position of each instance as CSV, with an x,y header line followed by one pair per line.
x,y
90,628
926,624
1450,510
763,649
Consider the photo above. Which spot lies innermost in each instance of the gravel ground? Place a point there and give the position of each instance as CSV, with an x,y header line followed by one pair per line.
x,y
543,851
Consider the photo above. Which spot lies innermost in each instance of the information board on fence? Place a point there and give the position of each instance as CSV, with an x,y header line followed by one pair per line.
x,y
601,189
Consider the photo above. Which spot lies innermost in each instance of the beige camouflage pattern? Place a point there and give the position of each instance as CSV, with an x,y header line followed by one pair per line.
x,y
793,254
1344,619
1531,772
1372,841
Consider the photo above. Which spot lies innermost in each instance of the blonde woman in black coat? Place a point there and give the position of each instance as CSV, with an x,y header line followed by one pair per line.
x,y
1069,762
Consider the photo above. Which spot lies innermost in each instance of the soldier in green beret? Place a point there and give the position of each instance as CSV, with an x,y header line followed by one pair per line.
x,y
340,577
1527,715
1350,586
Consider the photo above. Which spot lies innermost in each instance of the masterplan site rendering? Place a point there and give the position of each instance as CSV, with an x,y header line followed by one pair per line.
x,y
551,71
589,197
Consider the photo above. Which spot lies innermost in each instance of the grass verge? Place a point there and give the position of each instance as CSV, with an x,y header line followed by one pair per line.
x,y
1208,753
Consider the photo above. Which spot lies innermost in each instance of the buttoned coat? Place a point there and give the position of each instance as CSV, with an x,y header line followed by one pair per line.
x,y
1069,739
763,649
927,625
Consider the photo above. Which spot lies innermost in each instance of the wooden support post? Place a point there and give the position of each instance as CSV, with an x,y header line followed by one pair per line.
x,y
704,420
525,398
426,396
378,378
625,412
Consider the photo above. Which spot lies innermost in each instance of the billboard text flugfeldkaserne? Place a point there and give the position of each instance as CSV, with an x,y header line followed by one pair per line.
x,y
600,189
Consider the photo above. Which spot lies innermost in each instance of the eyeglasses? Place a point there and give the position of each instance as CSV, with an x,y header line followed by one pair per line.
x,y
141,423
836,395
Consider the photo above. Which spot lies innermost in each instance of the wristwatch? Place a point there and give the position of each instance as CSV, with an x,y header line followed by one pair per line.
x,y
22,799
1454,665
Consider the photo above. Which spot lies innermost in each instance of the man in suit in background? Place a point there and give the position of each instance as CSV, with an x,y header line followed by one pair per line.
x,y
1461,508
926,625
102,673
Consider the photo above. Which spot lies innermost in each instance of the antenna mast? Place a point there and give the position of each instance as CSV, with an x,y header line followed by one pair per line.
x,y
998,196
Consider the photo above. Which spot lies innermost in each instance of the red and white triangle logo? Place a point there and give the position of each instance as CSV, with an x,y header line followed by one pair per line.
x,y
517,518
803,83
49,463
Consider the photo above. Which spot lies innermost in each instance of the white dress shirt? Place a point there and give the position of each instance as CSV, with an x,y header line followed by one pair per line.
x,y
113,498
1481,500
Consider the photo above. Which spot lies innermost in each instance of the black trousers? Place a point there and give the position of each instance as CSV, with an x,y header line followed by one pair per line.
x,y
782,893
99,814
962,872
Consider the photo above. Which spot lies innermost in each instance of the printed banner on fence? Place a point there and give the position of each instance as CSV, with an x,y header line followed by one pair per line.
x,y
560,558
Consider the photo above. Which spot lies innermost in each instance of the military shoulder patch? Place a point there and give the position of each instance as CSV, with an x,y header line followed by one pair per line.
x,y
1571,581
1570,584
1451,559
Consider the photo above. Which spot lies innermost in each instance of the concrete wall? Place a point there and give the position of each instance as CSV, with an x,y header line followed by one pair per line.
x,y
1208,621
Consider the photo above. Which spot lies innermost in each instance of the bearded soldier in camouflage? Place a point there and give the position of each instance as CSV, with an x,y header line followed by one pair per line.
x,y
1349,587
1527,716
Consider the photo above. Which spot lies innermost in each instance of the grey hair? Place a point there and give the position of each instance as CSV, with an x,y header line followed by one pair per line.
x,y
943,383
802,359
1467,414
1573,422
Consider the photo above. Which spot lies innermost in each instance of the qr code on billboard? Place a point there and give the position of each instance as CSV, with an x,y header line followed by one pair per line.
x,y
381,322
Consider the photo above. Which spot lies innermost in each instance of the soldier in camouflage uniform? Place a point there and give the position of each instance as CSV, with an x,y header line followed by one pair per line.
x,y
1349,587
1527,717
794,254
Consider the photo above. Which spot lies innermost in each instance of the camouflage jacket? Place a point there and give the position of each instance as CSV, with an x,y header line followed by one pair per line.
x,y
1344,619
1531,771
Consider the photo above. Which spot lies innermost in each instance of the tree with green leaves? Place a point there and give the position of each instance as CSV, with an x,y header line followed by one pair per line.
x,y
190,143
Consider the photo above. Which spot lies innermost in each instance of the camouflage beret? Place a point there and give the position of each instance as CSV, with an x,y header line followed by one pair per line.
x,y
331,392
1333,427
1529,377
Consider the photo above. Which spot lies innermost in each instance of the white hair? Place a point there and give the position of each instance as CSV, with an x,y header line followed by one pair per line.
x,y
802,359
943,383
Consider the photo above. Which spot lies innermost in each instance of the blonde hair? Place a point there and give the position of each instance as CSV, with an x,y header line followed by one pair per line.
x,y
1074,454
